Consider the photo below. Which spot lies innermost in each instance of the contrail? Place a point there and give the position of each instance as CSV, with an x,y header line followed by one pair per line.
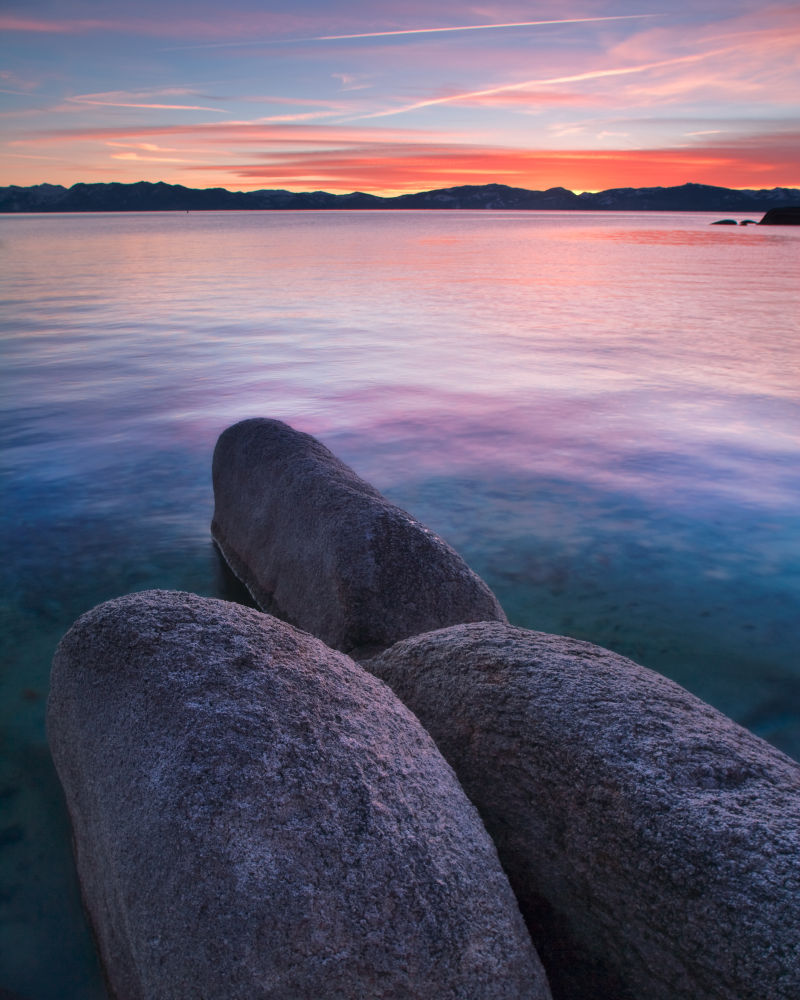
x,y
528,84
476,27
406,31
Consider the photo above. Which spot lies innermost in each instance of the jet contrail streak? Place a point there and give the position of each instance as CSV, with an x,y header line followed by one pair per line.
x,y
529,84
407,31
477,27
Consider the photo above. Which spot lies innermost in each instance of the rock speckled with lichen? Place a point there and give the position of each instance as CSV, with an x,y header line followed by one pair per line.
x,y
257,818
653,844
324,550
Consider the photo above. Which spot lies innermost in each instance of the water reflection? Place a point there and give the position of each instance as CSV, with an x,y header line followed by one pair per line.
x,y
681,236
600,412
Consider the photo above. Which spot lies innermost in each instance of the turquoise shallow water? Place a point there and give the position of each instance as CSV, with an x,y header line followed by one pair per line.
x,y
600,411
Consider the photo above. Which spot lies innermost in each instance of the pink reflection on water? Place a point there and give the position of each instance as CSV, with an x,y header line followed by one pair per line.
x,y
575,344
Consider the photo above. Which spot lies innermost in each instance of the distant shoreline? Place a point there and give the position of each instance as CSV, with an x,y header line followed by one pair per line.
x,y
160,197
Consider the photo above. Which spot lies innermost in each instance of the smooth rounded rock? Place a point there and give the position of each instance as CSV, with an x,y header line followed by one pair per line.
x,y
322,549
787,216
257,818
653,844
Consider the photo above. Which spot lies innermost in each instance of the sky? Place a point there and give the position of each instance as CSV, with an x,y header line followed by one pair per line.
x,y
390,97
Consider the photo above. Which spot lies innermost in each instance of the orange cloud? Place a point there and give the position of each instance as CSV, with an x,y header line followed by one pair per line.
x,y
385,160
767,162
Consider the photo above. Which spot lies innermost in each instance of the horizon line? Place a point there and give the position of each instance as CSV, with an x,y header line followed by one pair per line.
x,y
449,187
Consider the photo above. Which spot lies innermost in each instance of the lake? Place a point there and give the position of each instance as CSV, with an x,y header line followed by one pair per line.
x,y
599,411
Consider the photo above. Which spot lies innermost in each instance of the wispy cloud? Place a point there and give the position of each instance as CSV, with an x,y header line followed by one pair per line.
x,y
149,147
535,99
683,92
34,156
401,167
302,116
381,160
350,81
426,30
286,100
505,88
231,134
356,158
11,22
148,159
122,99
319,109
169,22
12,83
756,57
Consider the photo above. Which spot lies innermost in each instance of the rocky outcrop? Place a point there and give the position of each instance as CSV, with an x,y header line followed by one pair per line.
x,y
255,817
322,549
782,217
653,844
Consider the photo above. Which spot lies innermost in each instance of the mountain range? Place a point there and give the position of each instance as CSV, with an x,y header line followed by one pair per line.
x,y
147,197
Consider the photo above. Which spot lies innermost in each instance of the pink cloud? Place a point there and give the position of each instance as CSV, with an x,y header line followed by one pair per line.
x,y
148,159
750,58
118,101
588,76
232,25
533,99
288,151
232,133
303,102
305,116
12,83
764,161
10,22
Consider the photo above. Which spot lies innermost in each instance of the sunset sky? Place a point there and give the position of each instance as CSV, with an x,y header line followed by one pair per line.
x,y
388,97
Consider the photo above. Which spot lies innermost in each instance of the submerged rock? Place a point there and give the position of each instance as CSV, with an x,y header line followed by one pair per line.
x,y
257,817
322,549
653,844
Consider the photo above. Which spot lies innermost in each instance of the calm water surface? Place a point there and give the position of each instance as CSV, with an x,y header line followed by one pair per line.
x,y
601,412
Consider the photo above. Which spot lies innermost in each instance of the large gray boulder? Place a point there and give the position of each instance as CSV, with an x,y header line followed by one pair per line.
x,y
257,817
653,844
322,549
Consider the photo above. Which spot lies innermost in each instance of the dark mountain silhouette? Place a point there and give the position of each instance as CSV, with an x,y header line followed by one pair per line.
x,y
147,197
